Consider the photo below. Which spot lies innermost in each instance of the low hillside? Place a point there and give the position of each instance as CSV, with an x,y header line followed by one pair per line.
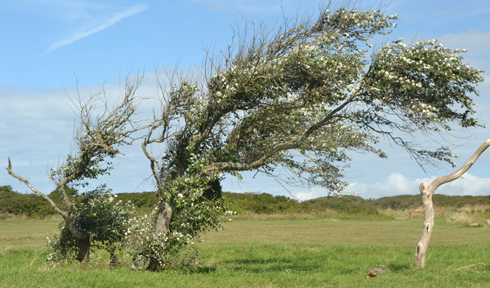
x,y
32,205
410,202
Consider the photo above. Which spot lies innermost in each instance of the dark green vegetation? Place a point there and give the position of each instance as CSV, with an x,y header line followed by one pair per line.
x,y
263,203
311,253
406,202
33,205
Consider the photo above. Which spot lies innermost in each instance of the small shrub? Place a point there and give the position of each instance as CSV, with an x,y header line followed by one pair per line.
x,y
96,214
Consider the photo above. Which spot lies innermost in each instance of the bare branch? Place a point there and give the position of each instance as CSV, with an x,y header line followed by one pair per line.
x,y
26,182
458,173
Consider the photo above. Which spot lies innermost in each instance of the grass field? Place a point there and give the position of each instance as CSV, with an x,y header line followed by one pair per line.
x,y
268,252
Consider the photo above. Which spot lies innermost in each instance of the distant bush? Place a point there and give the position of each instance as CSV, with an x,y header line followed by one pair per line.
x,y
263,203
33,205
344,204
260,203
145,200
410,202
30,205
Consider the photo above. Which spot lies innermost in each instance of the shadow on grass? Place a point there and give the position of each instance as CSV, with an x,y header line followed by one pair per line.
x,y
204,270
397,267
281,264
326,260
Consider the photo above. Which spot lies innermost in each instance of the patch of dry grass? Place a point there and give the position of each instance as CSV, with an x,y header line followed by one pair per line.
x,y
478,208
462,218
22,231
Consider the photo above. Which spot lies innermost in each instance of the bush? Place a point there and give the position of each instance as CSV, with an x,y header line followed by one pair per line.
x,y
30,205
260,203
411,202
345,204
96,214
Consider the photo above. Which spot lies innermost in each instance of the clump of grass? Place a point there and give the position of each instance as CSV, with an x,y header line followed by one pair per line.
x,y
461,218
477,208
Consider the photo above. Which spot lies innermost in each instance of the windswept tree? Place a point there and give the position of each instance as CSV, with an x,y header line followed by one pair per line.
x,y
298,97
98,140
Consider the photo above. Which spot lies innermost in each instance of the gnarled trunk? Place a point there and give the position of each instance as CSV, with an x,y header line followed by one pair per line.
x,y
164,217
162,226
113,258
84,253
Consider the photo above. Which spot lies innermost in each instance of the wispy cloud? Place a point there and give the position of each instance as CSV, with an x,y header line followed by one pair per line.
x,y
100,24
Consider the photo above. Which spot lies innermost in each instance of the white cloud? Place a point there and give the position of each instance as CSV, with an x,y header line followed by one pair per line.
x,y
97,25
313,193
466,185
398,184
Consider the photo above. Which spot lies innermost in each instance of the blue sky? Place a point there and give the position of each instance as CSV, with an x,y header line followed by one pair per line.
x,y
45,43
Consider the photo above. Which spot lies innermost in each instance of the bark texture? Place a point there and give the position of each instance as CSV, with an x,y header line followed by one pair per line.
x,y
164,218
421,250
113,258
426,195
84,253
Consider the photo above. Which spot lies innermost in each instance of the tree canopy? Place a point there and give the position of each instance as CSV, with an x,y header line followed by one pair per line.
x,y
299,96
310,88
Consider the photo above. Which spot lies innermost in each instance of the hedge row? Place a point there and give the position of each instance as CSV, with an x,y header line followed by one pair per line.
x,y
261,203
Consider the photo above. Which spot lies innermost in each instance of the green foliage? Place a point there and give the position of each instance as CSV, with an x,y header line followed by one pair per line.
x,y
410,202
214,191
141,200
352,205
33,205
16,203
97,215
261,203
191,204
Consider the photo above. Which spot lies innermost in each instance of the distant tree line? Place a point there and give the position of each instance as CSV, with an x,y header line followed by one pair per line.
x,y
34,206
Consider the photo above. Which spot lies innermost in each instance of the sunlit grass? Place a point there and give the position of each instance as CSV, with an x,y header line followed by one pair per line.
x,y
302,252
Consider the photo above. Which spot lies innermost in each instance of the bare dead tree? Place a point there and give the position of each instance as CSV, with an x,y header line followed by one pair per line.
x,y
426,195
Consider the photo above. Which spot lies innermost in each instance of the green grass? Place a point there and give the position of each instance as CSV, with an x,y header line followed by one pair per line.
x,y
306,252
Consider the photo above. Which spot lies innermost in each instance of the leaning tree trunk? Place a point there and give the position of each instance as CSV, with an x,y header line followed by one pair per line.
x,y
426,195
423,244
83,240
84,252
